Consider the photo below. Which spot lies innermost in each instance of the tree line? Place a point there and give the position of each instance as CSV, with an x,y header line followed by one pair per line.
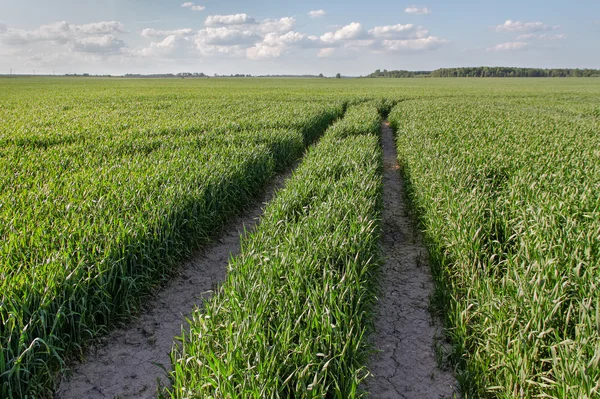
x,y
489,72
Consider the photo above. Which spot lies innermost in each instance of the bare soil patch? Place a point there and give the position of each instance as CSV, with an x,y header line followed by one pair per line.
x,y
132,362
405,334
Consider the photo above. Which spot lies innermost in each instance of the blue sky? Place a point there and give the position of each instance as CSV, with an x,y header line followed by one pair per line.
x,y
273,37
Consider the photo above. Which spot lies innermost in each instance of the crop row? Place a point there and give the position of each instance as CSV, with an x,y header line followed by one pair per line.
x,y
87,227
141,118
508,191
291,318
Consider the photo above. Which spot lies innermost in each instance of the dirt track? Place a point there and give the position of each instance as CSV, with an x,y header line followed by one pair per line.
x,y
130,362
405,332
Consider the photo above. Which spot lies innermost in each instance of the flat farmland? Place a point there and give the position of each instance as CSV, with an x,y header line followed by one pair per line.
x,y
108,185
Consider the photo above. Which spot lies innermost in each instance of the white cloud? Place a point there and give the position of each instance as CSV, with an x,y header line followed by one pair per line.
x,y
231,35
229,51
61,32
543,36
387,38
274,45
100,28
317,13
413,45
99,44
352,31
173,46
326,52
234,19
225,36
153,33
261,51
510,46
192,47
281,25
518,26
273,39
170,42
3,28
417,10
225,41
296,39
193,6
398,31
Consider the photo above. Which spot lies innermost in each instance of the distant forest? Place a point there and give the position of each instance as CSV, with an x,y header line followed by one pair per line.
x,y
489,72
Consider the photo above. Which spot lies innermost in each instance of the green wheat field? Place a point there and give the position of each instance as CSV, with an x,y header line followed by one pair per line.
x,y
106,185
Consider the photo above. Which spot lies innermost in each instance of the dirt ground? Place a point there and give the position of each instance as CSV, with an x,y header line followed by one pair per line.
x,y
405,365
131,362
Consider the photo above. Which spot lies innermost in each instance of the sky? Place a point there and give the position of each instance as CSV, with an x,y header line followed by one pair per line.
x,y
309,37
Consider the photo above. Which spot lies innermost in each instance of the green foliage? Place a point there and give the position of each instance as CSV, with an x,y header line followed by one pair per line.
x,y
290,320
398,74
511,72
508,190
489,72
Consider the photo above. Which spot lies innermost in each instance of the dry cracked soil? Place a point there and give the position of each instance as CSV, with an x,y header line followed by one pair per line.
x,y
404,365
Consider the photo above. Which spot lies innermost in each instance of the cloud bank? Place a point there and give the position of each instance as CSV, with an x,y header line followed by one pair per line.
x,y
222,36
240,35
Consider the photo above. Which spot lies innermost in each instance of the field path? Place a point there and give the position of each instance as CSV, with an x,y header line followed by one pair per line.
x,y
405,333
126,363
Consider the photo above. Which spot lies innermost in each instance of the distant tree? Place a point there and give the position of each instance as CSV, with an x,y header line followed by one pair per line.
x,y
321,75
338,76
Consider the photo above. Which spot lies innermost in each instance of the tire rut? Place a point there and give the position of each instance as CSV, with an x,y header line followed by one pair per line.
x,y
132,362
404,365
